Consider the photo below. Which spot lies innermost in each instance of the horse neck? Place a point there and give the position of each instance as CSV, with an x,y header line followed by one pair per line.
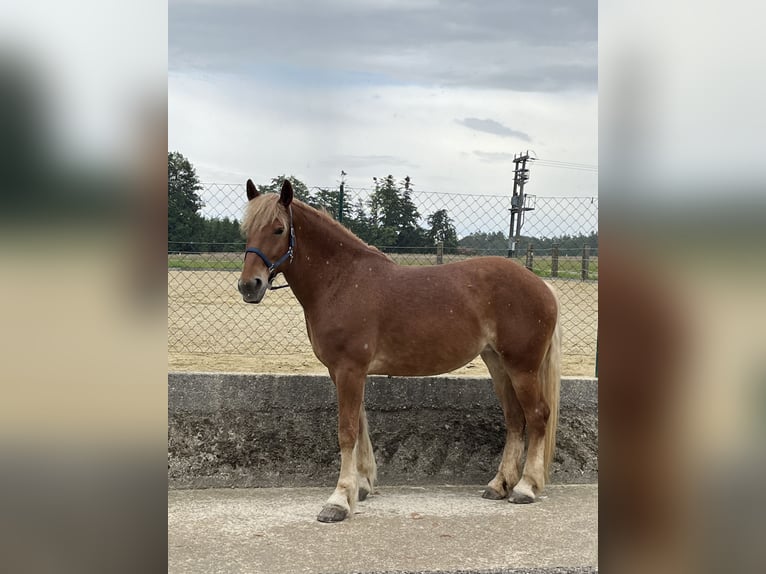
x,y
324,254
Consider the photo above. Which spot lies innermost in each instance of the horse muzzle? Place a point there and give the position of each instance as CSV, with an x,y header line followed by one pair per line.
x,y
252,290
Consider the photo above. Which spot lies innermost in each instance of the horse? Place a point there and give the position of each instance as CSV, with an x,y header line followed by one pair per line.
x,y
365,314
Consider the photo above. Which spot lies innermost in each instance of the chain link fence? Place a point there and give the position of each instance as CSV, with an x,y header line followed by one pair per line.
x,y
207,317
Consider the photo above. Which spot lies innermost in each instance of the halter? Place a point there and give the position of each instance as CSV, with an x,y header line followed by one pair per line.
x,y
273,266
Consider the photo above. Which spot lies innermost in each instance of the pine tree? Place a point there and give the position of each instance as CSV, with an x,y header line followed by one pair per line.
x,y
393,215
300,191
185,225
442,230
329,200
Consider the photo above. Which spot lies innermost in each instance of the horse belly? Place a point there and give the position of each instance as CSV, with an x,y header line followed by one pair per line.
x,y
424,352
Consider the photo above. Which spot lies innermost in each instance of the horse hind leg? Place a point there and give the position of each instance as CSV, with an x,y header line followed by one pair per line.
x,y
366,467
510,465
536,412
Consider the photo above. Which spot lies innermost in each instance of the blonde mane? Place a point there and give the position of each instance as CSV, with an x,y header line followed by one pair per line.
x,y
263,210
340,228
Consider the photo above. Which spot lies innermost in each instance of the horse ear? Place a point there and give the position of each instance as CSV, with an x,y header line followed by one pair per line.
x,y
252,191
286,196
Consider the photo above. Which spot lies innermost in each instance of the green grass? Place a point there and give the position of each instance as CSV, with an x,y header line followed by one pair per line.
x,y
569,266
198,263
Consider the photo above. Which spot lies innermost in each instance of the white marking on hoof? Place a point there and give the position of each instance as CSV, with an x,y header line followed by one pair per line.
x,y
338,498
522,493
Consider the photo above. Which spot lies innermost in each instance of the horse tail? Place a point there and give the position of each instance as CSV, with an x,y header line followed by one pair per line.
x,y
550,377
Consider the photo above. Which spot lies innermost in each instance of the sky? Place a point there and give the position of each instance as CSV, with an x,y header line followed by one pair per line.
x,y
443,91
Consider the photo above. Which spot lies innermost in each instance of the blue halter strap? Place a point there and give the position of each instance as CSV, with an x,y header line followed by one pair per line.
x,y
272,266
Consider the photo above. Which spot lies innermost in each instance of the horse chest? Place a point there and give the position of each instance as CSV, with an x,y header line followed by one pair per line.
x,y
333,337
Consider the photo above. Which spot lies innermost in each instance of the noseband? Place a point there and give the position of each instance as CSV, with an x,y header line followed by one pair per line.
x,y
288,255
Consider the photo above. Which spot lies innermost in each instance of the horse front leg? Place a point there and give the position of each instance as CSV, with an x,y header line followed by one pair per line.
x,y
349,384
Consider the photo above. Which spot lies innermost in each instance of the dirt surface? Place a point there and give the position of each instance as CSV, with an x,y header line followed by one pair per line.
x,y
211,329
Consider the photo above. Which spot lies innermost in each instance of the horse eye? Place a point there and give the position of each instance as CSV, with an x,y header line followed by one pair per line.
x,y
279,231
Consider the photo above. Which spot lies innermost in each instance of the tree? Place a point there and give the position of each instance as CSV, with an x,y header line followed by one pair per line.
x,y
393,215
496,243
300,191
482,243
222,235
185,225
442,230
329,199
359,222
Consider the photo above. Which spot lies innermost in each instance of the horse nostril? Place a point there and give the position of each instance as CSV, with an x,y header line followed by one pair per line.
x,y
251,286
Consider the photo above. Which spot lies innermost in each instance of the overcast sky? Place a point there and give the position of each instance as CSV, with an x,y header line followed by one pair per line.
x,y
443,91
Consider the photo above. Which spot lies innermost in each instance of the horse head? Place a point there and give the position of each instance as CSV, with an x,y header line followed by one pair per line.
x,y
270,238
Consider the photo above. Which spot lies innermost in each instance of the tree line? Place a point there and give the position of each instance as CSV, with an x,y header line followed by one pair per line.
x,y
496,243
188,230
388,219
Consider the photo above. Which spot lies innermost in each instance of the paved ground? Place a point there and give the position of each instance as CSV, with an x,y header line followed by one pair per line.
x,y
400,529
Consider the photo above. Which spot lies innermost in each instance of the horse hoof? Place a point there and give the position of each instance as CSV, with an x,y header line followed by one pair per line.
x,y
520,498
492,494
332,513
363,493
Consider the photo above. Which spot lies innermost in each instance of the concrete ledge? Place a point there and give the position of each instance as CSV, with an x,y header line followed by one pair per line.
x,y
227,429
400,530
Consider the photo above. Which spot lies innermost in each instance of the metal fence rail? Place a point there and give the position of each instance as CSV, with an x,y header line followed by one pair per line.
x,y
206,313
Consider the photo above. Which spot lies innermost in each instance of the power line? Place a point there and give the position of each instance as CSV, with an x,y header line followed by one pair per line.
x,y
570,168
573,163
566,165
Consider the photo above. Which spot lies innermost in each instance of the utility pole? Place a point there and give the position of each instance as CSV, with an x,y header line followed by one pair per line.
x,y
340,195
518,200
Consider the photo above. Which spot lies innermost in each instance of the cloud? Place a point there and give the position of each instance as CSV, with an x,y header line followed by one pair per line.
x,y
493,157
544,46
359,161
493,127
263,87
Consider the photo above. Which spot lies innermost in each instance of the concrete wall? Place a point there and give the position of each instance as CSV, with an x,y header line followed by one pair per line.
x,y
280,430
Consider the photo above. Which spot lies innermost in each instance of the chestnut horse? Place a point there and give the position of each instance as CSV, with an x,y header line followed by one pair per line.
x,y
367,315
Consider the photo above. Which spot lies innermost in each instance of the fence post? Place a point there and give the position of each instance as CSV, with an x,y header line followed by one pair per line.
x,y
585,262
530,257
440,253
555,260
